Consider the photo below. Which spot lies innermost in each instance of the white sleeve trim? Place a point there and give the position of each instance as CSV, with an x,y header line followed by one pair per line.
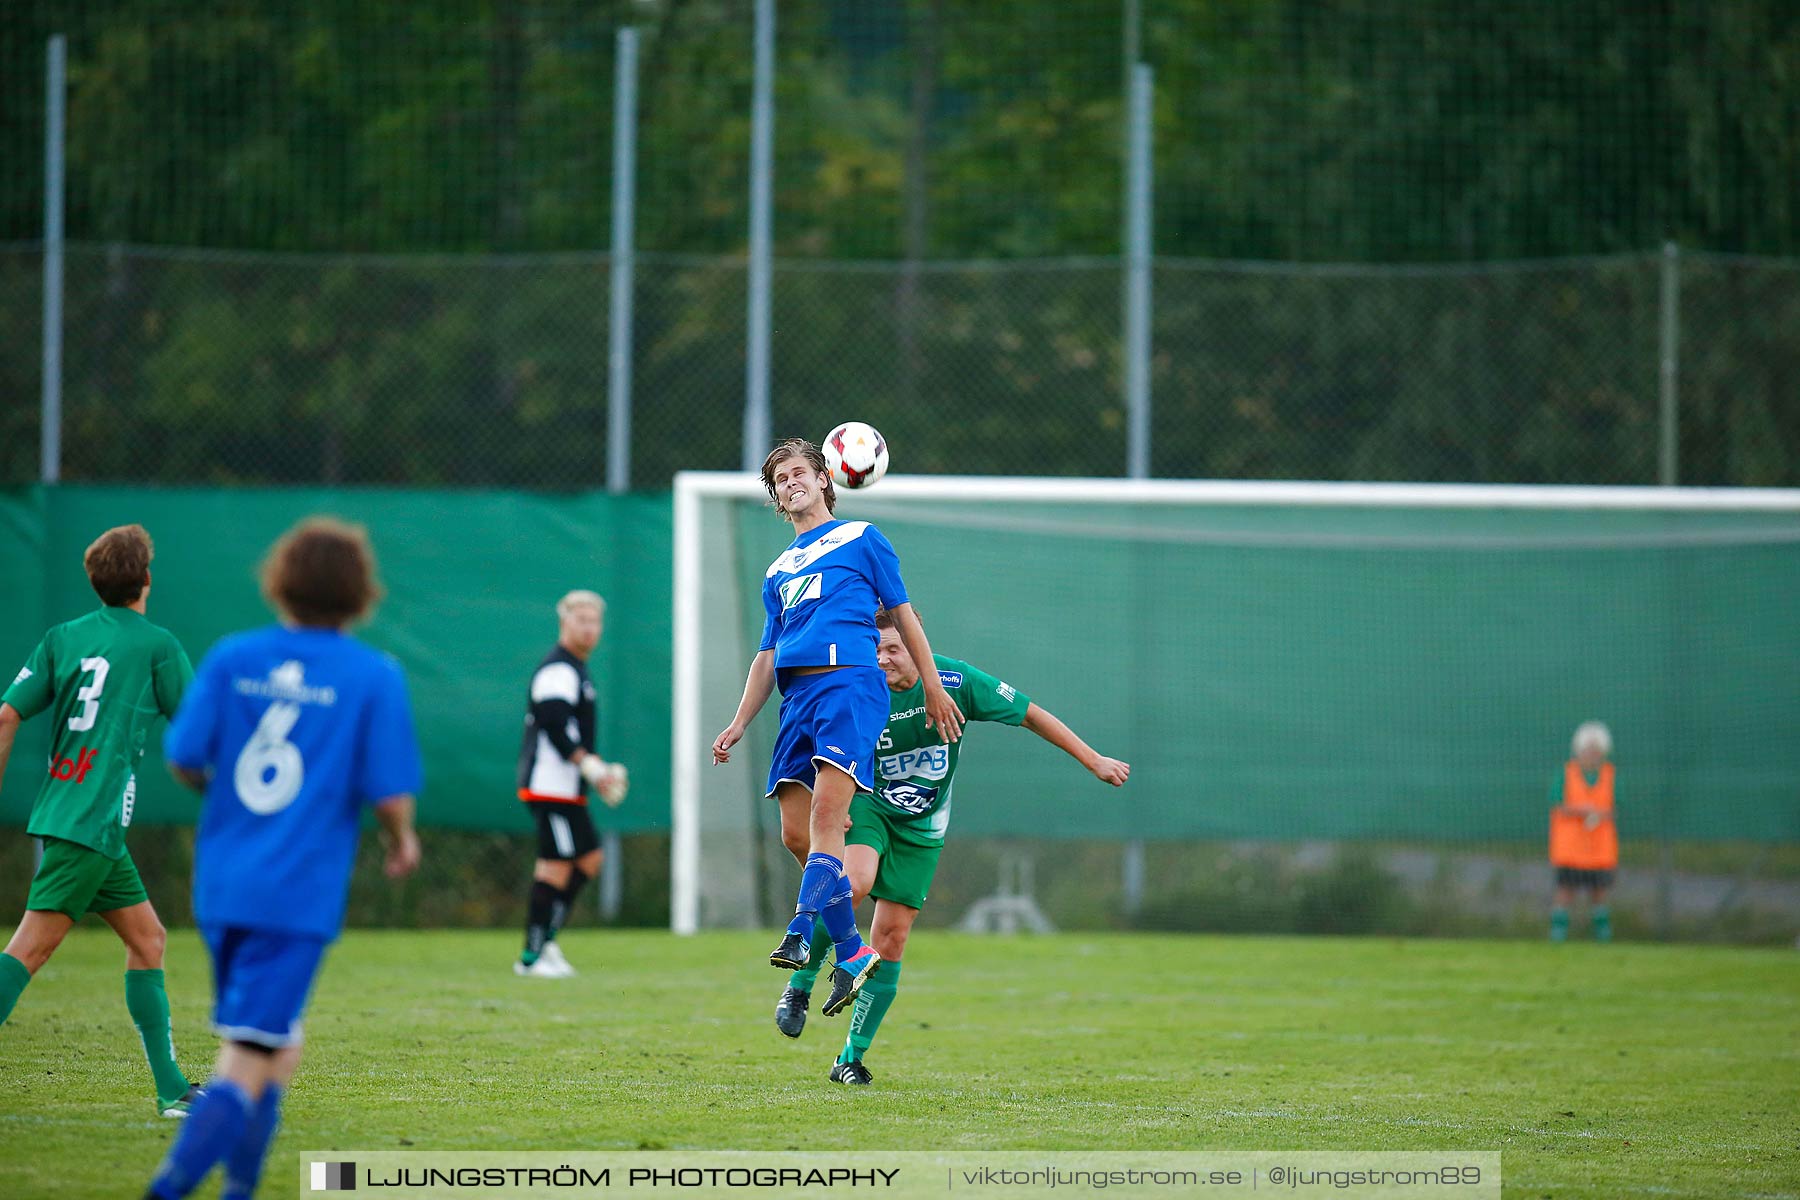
x,y
556,681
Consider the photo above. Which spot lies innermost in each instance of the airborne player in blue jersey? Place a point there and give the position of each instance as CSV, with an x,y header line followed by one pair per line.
x,y
290,731
818,644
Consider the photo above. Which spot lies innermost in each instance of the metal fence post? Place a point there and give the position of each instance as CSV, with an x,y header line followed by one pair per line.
x,y
1131,877
762,142
1131,41
1668,471
55,74
1139,167
624,188
1137,296
618,437
612,876
1668,474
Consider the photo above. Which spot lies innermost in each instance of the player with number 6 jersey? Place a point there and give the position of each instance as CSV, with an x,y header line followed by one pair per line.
x,y
292,732
301,726
104,679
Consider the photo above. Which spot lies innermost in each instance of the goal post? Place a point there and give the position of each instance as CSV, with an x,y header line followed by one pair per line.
x,y
1283,661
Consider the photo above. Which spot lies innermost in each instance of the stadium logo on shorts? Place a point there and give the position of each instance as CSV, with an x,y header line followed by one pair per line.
x,y
333,1177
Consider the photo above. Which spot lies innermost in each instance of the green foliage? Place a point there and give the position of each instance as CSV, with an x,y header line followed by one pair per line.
x,y
1353,895
467,880
1666,1074
1241,893
1267,892
184,366
476,880
1302,130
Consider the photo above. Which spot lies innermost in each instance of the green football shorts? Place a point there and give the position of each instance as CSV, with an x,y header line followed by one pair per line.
x,y
904,875
75,881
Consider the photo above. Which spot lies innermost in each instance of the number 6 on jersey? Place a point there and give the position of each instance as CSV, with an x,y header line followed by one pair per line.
x,y
269,769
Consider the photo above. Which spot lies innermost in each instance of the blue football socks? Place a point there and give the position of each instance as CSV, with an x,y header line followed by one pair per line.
x,y
243,1166
213,1126
817,883
839,915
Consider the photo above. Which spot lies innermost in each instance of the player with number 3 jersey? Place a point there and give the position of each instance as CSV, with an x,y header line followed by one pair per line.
x,y
105,679
292,732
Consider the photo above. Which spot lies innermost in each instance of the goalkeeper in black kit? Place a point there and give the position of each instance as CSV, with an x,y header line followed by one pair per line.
x,y
557,763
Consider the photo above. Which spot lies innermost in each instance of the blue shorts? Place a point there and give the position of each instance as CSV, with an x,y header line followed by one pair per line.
x,y
262,980
834,717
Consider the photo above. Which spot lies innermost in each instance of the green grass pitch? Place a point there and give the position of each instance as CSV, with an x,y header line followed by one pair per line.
x,y
1598,1071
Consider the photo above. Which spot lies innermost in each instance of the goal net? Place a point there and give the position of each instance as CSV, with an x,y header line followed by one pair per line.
x,y
1290,669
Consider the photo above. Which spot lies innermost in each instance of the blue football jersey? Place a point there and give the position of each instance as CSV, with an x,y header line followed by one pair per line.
x,y
301,728
822,593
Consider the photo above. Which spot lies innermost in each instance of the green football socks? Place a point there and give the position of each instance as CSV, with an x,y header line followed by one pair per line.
x,y
13,978
871,1006
1602,923
807,976
148,1004
1559,924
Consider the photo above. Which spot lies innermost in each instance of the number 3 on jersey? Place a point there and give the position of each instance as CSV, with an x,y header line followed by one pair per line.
x,y
269,769
89,696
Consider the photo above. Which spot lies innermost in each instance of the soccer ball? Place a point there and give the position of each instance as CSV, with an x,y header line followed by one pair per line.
x,y
857,455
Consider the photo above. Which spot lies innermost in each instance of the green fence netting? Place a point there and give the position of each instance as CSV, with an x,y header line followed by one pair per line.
x,y
472,579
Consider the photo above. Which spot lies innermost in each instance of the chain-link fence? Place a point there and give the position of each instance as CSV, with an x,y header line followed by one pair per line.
x,y
187,366
934,168
1320,130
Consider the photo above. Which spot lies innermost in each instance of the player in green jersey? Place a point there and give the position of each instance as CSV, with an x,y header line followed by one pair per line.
x,y
896,835
104,678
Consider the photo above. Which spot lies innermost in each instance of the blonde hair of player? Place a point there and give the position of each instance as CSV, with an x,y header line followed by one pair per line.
x,y
610,779
1591,734
580,598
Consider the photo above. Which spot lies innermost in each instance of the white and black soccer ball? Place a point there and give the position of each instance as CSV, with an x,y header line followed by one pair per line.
x,y
856,454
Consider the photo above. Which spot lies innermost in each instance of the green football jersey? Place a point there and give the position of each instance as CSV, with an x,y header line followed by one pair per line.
x,y
105,678
913,765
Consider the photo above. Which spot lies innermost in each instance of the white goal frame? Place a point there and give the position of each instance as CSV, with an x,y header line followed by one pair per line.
x,y
690,748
